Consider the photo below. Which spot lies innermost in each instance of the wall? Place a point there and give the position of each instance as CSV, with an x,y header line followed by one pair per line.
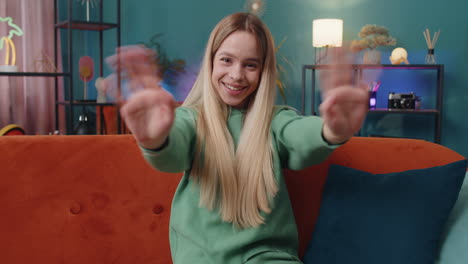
x,y
186,25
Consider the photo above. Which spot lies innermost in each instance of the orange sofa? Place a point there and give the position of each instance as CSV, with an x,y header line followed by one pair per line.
x,y
93,199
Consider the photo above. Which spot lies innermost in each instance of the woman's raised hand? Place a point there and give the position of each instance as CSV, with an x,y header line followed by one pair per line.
x,y
149,111
345,103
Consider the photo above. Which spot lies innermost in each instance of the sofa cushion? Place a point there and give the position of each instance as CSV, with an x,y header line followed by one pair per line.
x,y
384,218
455,237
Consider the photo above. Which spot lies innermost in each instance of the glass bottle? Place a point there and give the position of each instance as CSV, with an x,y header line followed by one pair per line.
x,y
430,57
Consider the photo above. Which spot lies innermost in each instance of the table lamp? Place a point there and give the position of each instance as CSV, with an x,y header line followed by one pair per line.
x,y
326,33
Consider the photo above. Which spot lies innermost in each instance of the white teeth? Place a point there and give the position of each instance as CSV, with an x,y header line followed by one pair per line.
x,y
232,88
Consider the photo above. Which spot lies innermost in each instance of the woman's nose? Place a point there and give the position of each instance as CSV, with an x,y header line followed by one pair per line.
x,y
236,73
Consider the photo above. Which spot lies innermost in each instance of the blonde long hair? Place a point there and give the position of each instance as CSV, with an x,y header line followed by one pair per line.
x,y
241,182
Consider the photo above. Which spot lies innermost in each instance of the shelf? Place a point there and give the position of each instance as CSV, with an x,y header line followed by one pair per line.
x,y
69,104
85,25
359,69
35,74
86,103
378,66
404,111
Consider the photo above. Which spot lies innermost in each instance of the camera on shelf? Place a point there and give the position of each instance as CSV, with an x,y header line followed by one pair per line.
x,y
401,101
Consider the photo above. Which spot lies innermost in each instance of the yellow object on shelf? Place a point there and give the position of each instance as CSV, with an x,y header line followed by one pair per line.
x,y
12,130
399,56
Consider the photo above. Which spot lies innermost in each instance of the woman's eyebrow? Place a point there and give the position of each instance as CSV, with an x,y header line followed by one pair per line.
x,y
253,59
225,53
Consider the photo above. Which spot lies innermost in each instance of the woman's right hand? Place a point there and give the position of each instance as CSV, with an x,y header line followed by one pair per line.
x,y
149,111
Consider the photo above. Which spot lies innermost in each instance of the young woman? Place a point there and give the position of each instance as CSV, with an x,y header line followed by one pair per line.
x,y
232,142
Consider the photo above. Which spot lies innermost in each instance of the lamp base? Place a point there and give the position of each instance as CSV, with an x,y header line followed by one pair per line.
x,y
8,68
320,55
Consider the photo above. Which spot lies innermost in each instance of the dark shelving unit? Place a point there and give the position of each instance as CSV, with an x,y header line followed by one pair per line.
x,y
68,26
358,72
34,74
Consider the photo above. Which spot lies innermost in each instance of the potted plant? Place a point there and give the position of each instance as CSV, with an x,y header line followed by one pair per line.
x,y
171,69
372,36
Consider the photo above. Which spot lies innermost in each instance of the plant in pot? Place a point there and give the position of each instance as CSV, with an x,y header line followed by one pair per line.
x,y
170,69
372,36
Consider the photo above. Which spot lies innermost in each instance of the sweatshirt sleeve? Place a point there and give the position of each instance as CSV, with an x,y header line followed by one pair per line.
x,y
299,139
177,155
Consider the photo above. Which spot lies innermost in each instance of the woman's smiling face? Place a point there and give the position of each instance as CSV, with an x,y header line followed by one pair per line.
x,y
237,66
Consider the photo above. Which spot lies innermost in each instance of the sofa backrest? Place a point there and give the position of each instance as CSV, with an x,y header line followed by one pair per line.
x,y
93,199
82,199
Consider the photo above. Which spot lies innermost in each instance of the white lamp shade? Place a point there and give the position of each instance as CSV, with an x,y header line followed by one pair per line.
x,y
327,33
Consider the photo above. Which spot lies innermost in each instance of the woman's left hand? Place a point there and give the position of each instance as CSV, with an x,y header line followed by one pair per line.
x,y
345,104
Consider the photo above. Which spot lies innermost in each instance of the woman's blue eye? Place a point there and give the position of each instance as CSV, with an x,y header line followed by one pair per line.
x,y
225,59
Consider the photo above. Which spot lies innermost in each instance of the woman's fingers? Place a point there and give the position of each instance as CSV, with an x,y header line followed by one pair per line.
x,y
138,70
339,71
134,52
147,99
345,100
134,62
149,115
345,109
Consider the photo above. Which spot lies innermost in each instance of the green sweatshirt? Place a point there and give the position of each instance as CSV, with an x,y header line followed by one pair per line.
x,y
198,235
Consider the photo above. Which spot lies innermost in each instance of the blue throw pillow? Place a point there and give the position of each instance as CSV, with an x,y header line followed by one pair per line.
x,y
384,218
455,237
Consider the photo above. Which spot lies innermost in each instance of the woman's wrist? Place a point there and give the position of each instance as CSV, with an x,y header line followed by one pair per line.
x,y
158,147
332,139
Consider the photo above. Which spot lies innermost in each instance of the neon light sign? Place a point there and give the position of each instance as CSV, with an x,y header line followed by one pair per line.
x,y
9,42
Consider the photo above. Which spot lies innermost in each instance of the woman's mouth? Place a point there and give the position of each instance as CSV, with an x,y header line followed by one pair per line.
x,y
233,87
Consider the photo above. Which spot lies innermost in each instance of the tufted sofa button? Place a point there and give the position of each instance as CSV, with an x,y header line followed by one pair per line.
x,y
75,208
158,209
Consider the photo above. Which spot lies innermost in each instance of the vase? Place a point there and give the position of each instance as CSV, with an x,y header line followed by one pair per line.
x,y
371,57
